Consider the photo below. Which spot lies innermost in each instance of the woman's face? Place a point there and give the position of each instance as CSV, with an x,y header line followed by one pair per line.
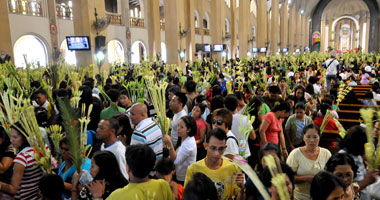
x,y
299,93
66,155
337,193
16,138
182,129
94,170
196,112
284,114
311,138
267,153
345,173
124,100
218,122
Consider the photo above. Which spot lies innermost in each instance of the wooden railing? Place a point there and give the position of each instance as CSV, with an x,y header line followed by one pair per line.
x,y
64,12
114,19
197,31
136,22
25,7
206,31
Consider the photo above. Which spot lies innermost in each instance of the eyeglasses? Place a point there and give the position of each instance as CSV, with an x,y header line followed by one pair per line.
x,y
214,148
218,122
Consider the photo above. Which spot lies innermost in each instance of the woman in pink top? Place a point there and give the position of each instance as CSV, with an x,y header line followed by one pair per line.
x,y
196,113
271,127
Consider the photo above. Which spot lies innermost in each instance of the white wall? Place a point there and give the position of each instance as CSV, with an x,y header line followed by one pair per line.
x,y
64,28
116,32
24,25
140,34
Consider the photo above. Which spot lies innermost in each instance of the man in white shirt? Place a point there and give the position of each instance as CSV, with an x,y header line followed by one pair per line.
x,y
106,132
177,104
332,70
238,120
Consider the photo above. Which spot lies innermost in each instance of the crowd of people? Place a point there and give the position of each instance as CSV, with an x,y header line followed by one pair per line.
x,y
133,158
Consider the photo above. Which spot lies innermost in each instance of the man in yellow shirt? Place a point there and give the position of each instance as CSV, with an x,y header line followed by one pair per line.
x,y
228,179
140,162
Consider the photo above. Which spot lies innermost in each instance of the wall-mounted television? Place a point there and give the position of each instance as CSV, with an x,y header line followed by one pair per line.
x,y
78,43
207,48
285,50
263,50
307,49
298,50
217,48
254,50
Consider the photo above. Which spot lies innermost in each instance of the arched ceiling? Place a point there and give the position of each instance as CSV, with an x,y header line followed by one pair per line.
x,y
309,5
336,8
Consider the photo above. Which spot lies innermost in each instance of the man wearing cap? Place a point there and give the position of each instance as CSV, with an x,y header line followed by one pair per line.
x,y
332,70
273,96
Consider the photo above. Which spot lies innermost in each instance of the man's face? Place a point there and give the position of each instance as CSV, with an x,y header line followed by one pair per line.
x,y
103,131
40,99
215,149
174,104
273,96
135,116
300,113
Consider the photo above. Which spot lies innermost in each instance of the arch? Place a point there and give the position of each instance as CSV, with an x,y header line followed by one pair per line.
x,y
356,21
226,25
206,21
33,47
115,51
373,29
163,52
68,56
138,51
196,18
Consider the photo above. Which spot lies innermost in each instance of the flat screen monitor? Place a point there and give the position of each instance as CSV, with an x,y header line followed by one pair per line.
x,y
255,50
78,43
217,48
298,50
285,50
307,49
207,48
198,47
263,50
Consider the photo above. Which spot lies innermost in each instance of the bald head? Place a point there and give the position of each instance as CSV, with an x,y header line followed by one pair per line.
x,y
138,112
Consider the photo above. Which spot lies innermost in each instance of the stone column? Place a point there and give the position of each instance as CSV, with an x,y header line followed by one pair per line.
x,y
331,35
190,25
174,16
292,27
233,29
284,25
307,32
153,26
5,31
84,18
274,27
217,26
244,27
361,31
261,23
323,36
297,41
53,34
125,22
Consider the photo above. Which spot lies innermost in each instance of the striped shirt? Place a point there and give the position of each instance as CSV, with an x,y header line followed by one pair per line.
x,y
147,132
32,174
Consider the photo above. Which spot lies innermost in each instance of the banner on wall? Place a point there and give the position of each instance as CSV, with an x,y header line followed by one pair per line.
x,y
316,38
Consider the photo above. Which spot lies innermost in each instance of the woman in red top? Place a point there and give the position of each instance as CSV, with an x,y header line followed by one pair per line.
x,y
26,173
196,113
330,122
271,127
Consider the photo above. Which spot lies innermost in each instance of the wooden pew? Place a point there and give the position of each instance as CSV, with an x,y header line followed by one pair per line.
x,y
343,106
330,139
349,114
348,123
